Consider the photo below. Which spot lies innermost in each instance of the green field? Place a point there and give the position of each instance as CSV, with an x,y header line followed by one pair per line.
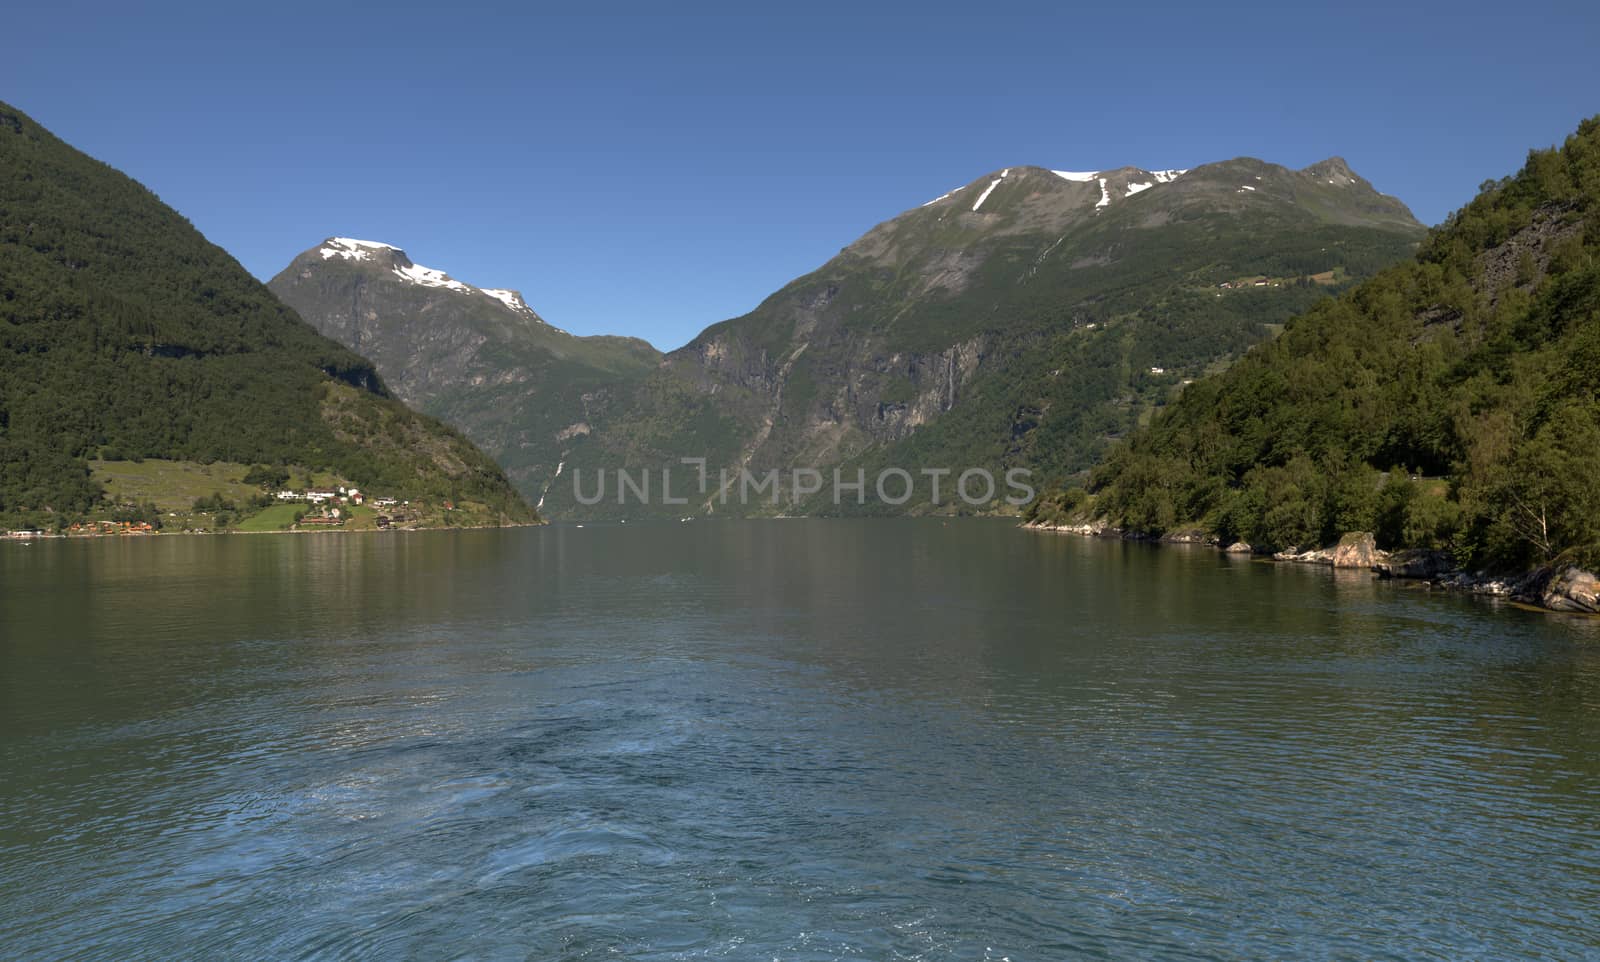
x,y
279,517
172,486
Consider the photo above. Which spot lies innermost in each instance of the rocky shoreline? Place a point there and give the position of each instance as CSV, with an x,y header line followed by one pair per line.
x,y
1558,587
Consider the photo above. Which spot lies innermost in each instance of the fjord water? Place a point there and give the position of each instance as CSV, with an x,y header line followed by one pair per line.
x,y
780,740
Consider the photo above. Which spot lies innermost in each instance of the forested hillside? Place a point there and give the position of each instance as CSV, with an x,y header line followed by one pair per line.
x,y
124,334
1451,402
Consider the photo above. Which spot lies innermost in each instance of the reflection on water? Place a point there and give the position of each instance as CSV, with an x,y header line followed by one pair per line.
x,y
798,740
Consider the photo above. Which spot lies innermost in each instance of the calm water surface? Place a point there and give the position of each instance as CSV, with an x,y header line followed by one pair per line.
x,y
781,740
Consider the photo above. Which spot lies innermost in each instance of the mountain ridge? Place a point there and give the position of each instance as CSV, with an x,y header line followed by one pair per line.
x,y
938,292
908,320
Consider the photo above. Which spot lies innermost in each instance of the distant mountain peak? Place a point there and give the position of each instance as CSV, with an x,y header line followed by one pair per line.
x,y
1334,170
481,358
351,249
383,255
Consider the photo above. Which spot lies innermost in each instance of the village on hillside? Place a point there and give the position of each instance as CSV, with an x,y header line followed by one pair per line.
x,y
146,498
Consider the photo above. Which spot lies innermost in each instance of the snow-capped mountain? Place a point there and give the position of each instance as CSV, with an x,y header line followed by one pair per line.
x,y
1024,317
479,357
1020,319
392,258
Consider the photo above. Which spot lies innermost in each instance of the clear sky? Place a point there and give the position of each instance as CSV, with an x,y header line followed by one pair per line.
x,y
657,168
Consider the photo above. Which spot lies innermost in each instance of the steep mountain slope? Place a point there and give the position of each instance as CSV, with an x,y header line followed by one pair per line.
x,y
480,359
125,334
1022,319
1471,375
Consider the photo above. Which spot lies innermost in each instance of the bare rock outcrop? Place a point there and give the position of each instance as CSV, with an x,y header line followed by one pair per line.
x,y
1567,588
1357,549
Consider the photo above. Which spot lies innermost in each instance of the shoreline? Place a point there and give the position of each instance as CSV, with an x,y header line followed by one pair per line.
x,y
1553,589
28,539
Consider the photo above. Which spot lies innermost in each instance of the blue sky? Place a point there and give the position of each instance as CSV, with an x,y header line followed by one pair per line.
x,y
657,168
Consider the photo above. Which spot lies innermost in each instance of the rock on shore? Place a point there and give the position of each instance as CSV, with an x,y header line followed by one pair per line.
x,y
1358,549
1567,588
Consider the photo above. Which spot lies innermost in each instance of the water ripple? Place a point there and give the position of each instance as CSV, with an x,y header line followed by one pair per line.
x,y
723,751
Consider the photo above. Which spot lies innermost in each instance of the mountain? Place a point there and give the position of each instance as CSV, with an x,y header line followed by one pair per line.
x,y
478,358
124,334
1452,402
1026,318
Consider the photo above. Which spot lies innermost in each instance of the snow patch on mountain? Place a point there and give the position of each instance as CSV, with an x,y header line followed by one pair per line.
x,y
510,299
990,189
351,249
428,277
1092,176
